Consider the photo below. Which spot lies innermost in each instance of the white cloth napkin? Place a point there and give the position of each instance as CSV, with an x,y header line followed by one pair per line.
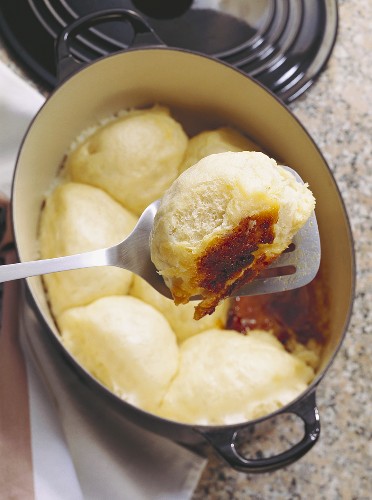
x,y
79,449
19,103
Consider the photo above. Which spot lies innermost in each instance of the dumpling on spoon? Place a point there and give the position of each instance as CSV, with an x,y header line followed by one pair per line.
x,y
222,221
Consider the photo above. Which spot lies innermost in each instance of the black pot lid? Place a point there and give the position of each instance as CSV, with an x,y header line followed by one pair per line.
x,y
284,44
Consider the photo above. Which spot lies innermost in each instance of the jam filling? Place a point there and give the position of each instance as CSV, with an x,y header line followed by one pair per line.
x,y
226,257
230,260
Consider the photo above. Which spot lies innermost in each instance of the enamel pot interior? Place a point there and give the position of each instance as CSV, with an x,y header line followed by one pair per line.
x,y
202,93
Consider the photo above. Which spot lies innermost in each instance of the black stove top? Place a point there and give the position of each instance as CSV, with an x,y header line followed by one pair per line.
x,y
284,44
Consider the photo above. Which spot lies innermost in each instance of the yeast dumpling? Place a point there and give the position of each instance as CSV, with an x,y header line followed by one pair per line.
x,y
226,377
215,141
134,157
181,317
126,344
78,218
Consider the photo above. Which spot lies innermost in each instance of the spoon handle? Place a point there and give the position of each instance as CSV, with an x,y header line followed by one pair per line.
x,y
37,267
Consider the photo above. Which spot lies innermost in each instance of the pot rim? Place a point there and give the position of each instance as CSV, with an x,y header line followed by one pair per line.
x,y
86,375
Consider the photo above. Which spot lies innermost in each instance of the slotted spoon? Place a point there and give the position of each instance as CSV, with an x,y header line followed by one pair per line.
x,y
294,268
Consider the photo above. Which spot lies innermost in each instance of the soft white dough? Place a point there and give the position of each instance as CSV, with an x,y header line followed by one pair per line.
x,y
226,377
78,218
179,317
133,158
215,141
126,344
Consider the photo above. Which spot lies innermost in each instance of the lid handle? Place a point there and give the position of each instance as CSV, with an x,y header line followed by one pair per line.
x,y
67,64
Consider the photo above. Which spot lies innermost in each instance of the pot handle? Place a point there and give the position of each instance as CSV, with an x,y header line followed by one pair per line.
x,y
224,441
67,64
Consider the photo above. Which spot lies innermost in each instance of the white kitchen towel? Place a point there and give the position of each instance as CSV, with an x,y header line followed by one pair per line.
x,y
79,449
114,458
19,102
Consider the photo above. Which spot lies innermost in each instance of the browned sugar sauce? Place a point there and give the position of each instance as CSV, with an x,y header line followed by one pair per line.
x,y
299,315
229,261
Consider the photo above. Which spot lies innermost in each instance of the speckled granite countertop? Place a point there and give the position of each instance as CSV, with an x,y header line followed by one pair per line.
x,y
337,112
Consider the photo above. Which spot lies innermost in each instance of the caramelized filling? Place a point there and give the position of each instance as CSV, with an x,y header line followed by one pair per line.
x,y
299,314
229,261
